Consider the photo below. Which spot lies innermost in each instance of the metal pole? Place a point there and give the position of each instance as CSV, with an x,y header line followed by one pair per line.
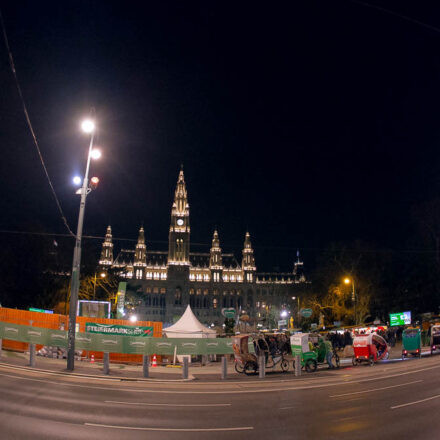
x,y
32,355
224,367
297,365
94,288
354,299
1,340
261,367
106,360
145,365
74,288
185,368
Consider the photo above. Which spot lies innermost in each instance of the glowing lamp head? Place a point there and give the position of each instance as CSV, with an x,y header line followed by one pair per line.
x,y
95,154
88,126
103,274
347,280
77,180
133,318
284,313
94,182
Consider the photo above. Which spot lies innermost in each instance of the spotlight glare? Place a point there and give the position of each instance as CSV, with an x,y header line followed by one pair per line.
x,y
77,180
88,126
95,154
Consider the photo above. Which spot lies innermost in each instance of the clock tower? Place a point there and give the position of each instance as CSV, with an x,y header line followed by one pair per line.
x,y
178,238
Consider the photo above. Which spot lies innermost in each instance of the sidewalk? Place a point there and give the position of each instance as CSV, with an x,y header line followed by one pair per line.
x,y
120,371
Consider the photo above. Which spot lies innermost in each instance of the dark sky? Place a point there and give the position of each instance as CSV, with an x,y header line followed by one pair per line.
x,y
304,122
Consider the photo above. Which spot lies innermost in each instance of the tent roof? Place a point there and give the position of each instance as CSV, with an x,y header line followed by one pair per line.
x,y
189,324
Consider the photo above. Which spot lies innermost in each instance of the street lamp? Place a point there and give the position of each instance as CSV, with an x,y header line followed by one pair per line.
x,y
353,295
88,126
102,275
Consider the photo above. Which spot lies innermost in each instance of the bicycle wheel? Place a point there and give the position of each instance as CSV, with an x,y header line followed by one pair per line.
x,y
250,368
337,360
284,365
311,366
239,368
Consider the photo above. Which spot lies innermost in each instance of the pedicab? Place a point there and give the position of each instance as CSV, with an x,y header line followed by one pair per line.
x,y
370,348
246,361
435,337
411,342
312,349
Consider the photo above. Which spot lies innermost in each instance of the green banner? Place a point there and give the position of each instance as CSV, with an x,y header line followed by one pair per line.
x,y
119,330
117,343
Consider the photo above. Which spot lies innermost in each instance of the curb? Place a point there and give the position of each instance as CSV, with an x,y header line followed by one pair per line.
x,y
94,376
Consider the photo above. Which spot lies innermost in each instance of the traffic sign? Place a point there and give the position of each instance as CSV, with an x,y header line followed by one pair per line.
x,y
228,313
282,322
306,313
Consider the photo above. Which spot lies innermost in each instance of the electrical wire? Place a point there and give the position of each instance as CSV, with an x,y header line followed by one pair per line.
x,y
34,137
233,246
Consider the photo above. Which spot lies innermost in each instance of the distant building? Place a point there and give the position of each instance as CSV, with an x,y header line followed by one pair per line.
x,y
161,284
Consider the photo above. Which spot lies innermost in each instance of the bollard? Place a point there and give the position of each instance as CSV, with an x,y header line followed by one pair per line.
x,y
106,360
185,368
32,355
224,367
261,367
297,365
145,365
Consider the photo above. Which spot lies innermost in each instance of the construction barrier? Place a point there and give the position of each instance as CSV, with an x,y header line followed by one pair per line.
x,y
95,342
56,322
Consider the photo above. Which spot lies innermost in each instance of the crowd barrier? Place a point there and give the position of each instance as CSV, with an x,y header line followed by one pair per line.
x,y
116,343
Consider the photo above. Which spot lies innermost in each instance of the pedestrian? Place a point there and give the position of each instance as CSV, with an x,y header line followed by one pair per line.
x,y
329,352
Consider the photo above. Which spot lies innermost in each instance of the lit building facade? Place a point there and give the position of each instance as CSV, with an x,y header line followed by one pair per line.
x,y
161,284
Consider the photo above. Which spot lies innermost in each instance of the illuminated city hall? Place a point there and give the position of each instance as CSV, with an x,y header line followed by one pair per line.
x,y
161,284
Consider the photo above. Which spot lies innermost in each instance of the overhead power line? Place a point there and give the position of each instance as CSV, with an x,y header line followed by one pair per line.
x,y
234,246
34,137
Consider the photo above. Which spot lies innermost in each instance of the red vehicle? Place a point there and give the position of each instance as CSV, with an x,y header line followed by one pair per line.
x,y
370,348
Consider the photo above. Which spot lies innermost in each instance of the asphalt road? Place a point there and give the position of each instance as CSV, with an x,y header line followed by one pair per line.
x,y
392,400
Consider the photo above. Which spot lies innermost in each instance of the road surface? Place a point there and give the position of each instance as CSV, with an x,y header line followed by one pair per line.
x,y
391,400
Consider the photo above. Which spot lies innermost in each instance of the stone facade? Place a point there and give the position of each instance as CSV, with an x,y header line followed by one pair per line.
x,y
161,284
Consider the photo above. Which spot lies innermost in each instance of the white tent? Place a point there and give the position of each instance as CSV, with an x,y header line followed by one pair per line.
x,y
188,326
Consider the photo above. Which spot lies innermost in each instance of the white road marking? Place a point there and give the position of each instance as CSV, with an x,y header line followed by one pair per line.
x,y
417,401
270,390
135,428
166,404
376,389
288,407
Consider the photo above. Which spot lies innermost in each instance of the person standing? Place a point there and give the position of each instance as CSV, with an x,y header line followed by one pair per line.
x,y
329,352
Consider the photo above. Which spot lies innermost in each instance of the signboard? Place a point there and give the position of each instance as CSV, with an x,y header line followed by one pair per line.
x,y
93,309
306,313
120,299
228,313
313,325
401,318
282,322
123,330
32,309
299,343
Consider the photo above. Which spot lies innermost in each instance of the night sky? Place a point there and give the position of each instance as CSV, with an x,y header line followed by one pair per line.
x,y
303,122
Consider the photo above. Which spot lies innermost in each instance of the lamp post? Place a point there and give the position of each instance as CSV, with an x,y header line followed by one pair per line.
x,y
353,296
88,126
297,307
102,275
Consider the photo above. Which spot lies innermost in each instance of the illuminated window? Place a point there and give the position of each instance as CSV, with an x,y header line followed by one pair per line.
x,y
214,303
199,277
163,290
156,275
149,275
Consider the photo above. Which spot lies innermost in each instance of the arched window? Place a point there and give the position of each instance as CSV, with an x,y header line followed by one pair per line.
x,y
178,296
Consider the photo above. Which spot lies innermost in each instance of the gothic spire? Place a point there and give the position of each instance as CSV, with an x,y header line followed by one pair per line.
x,y
180,204
107,249
215,258
140,255
248,262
